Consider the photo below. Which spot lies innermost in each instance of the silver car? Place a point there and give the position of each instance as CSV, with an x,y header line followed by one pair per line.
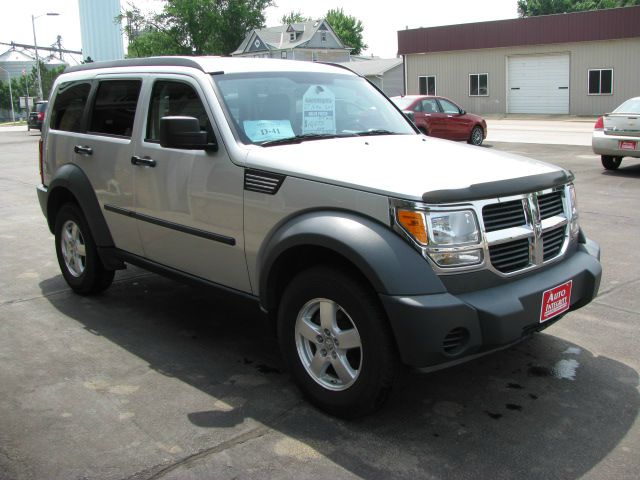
x,y
617,134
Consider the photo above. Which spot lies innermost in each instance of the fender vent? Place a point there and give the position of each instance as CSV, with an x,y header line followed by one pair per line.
x,y
455,341
262,182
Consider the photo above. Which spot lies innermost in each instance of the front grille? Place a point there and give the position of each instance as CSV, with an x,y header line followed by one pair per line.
x,y
552,241
511,256
508,255
550,205
503,215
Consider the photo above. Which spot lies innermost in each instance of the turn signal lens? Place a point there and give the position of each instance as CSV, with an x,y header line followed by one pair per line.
x,y
413,223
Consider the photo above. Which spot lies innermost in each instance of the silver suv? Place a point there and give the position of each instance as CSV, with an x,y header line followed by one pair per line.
x,y
301,186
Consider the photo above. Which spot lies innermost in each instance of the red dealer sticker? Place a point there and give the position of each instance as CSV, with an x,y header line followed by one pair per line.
x,y
556,301
627,144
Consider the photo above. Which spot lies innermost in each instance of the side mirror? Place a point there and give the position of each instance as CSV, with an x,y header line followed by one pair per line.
x,y
184,133
463,112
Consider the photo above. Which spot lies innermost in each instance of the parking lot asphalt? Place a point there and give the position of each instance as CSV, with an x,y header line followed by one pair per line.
x,y
158,380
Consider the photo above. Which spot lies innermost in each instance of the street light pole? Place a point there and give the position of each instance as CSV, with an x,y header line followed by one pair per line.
x,y
13,113
35,46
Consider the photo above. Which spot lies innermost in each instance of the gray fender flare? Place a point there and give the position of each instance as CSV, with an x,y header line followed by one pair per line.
x,y
71,177
391,265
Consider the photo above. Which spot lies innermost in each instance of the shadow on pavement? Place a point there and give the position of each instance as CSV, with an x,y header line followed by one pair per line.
x,y
544,409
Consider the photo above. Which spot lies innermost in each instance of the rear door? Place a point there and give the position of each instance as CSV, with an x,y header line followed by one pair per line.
x,y
105,151
189,202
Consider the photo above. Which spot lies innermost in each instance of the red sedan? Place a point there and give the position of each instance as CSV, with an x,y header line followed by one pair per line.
x,y
440,117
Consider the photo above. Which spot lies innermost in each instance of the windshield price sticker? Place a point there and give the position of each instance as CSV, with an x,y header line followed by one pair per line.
x,y
265,130
556,301
318,111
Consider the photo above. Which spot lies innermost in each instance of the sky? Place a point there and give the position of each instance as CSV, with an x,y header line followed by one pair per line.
x,y
381,20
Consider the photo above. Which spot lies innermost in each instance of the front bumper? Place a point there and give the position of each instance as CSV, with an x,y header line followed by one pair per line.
x,y
603,144
443,328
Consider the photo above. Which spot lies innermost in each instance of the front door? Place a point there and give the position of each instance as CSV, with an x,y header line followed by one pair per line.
x,y
189,202
455,124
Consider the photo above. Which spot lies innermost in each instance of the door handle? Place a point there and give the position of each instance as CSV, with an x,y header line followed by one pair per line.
x,y
83,150
145,162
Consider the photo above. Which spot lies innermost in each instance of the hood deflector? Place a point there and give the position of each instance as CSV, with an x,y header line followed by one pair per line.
x,y
501,188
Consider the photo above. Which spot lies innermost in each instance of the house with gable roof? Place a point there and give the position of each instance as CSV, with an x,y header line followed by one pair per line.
x,y
312,41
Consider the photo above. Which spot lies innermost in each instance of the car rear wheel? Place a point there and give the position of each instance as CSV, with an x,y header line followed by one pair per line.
x,y
77,253
611,163
477,136
336,342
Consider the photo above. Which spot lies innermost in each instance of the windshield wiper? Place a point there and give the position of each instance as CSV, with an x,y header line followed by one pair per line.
x,y
378,131
302,138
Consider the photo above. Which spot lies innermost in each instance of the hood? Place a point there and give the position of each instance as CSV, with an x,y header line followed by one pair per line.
x,y
411,167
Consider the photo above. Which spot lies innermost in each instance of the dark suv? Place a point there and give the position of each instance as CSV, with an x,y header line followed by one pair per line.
x,y
36,117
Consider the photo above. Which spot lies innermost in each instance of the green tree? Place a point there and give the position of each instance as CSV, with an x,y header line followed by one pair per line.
x,y
532,8
349,29
294,17
193,27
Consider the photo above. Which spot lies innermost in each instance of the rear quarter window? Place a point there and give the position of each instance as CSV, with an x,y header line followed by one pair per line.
x,y
66,114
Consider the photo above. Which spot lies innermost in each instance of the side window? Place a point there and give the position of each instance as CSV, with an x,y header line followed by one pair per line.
x,y
170,98
427,85
114,108
601,81
67,110
478,84
449,107
430,106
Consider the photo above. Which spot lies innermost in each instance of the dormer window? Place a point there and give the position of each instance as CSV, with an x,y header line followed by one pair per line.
x,y
292,36
323,37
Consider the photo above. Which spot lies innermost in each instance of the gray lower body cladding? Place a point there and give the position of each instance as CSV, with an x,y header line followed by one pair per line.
x,y
443,328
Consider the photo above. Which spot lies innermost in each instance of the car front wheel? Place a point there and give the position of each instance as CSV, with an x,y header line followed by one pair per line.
x,y
336,342
611,163
477,136
77,253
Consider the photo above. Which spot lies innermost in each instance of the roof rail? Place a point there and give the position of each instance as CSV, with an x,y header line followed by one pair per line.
x,y
139,62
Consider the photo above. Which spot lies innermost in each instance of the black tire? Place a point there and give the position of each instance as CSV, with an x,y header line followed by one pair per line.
x,y
375,360
611,163
477,136
85,274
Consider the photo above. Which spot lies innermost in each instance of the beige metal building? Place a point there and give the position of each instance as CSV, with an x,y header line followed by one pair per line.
x,y
584,63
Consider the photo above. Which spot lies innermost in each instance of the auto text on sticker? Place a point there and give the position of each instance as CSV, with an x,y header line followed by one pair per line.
x,y
555,301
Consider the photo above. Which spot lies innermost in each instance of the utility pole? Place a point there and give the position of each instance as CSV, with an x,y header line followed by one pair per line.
x,y
35,46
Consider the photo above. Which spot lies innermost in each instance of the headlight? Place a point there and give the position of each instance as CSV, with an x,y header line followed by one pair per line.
x,y
573,208
453,228
450,238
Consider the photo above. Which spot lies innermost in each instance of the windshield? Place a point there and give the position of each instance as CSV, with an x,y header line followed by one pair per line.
x,y
272,108
630,106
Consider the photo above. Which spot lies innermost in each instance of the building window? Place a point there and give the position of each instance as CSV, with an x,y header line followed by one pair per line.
x,y
323,37
292,37
427,85
478,84
601,81
283,54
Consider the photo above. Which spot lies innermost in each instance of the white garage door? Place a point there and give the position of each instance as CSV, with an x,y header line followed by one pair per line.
x,y
538,84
